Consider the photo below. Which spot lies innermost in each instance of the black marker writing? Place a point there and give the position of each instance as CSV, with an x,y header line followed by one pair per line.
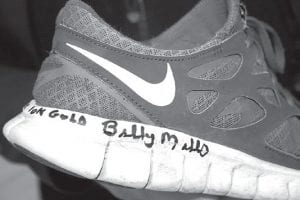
x,y
54,113
110,128
82,121
167,136
135,134
139,132
39,111
150,136
202,150
73,117
64,117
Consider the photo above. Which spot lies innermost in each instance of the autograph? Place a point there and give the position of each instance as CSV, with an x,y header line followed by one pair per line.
x,y
111,128
138,132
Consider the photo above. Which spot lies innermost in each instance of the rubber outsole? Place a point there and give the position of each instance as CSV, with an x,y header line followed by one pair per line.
x,y
143,156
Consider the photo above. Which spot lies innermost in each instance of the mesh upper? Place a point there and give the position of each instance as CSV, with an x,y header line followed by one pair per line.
x,y
241,112
221,69
81,95
76,17
285,137
199,101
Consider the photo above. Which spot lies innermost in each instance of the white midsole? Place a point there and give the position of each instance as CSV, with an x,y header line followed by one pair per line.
x,y
144,156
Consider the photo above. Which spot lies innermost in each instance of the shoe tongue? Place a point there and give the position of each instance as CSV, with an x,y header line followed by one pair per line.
x,y
196,27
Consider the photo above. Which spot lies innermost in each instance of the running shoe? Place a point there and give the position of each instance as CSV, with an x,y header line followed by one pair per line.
x,y
192,113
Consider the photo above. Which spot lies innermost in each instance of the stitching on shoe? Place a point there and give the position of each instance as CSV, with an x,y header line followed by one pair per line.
x,y
214,50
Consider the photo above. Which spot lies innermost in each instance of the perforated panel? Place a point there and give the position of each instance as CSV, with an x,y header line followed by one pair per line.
x,y
221,69
200,101
241,112
286,138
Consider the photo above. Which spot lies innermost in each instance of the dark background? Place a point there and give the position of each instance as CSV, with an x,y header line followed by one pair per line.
x,y
26,29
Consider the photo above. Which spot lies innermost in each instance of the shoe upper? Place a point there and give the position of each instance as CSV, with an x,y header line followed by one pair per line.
x,y
223,91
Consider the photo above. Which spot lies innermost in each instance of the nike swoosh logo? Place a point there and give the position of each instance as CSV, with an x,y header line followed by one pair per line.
x,y
159,94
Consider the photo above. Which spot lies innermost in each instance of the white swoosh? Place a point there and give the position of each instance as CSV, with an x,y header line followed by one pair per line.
x,y
159,94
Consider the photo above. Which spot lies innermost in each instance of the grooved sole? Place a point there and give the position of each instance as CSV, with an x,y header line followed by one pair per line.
x,y
142,156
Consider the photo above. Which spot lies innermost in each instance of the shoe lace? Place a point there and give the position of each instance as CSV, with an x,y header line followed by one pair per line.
x,y
273,52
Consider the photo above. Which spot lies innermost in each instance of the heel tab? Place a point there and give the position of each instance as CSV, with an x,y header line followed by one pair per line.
x,y
70,7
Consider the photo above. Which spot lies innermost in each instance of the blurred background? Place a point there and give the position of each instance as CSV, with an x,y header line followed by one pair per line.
x,y
26,30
